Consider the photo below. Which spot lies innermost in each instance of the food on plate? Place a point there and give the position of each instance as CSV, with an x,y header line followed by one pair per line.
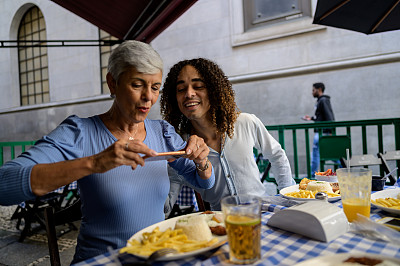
x,y
195,227
216,222
189,233
363,260
328,176
170,238
387,202
319,186
307,194
304,182
353,261
308,188
335,187
326,173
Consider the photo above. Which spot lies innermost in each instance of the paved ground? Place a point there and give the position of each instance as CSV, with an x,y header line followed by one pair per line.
x,y
34,250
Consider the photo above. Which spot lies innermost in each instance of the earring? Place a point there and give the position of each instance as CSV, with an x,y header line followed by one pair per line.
x,y
112,95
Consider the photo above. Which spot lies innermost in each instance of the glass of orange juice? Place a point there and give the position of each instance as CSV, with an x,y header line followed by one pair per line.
x,y
355,191
242,215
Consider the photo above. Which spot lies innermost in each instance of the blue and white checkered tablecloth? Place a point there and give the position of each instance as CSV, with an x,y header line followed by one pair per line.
x,y
187,198
279,247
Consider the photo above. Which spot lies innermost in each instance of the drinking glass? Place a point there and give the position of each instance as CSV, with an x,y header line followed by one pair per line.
x,y
355,191
242,215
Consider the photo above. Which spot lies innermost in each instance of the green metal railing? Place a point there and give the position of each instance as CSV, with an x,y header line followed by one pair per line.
x,y
13,149
295,129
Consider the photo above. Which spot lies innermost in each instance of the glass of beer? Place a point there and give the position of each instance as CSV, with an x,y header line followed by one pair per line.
x,y
355,191
242,215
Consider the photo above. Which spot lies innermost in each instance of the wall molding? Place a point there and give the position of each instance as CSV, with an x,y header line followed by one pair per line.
x,y
315,68
56,104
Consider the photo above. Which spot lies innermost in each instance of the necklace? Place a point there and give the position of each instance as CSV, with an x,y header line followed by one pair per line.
x,y
130,137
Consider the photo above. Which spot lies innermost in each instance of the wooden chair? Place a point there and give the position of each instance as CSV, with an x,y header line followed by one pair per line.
x,y
332,149
203,205
32,211
65,216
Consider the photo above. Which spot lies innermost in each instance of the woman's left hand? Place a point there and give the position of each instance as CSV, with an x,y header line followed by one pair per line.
x,y
197,150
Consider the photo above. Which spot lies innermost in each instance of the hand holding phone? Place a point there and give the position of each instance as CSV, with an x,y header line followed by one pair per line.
x,y
165,156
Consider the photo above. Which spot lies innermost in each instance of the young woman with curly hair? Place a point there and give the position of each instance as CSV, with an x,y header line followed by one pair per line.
x,y
198,99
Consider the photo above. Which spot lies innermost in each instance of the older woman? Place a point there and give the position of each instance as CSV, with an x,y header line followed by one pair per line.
x,y
198,99
121,193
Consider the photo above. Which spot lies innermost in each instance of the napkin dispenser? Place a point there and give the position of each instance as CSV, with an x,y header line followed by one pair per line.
x,y
315,219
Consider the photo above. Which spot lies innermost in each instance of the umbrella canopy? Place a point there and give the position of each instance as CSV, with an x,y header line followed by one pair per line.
x,y
129,19
366,16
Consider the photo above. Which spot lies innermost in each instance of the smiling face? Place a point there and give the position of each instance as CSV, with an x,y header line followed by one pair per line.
x,y
135,93
191,94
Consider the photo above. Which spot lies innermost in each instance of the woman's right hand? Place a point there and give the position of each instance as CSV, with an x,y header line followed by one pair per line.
x,y
122,152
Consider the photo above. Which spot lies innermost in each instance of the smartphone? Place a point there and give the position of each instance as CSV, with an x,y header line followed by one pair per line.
x,y
165,156
390,222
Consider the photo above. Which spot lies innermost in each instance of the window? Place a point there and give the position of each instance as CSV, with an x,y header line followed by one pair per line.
x,y
269,20
105,52
33,63
260,13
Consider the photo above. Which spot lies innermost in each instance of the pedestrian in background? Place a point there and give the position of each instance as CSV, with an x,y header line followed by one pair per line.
x,y
323,112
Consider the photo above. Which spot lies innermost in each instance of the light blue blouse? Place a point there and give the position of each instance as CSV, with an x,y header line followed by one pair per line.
x,y
115,204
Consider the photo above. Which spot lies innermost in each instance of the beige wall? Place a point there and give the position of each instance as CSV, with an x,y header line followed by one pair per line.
x,y
272,69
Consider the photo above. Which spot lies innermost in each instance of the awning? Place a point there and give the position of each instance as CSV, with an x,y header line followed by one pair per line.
x,y
140,20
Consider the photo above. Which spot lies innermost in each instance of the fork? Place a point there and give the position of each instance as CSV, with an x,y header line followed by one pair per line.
x,y
153,257
160,253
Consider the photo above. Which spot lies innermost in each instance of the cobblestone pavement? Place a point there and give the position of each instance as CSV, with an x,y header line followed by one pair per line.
x,y
33,250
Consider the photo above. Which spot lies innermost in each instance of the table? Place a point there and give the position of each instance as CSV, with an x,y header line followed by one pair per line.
x,y
279,247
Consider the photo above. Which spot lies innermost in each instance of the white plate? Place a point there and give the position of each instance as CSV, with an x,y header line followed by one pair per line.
x,y
295,188
170,223
336,259
387,193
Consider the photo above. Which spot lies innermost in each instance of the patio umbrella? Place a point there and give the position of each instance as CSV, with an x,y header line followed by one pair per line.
x,y
366,16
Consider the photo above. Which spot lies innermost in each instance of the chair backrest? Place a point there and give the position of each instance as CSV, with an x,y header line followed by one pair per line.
x,y
69,214
364,160
392,155
333,147
370,160
389,156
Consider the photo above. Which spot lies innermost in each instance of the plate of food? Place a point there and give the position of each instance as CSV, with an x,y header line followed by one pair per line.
x,y
387,200
328,176
190,235
307,189
347,259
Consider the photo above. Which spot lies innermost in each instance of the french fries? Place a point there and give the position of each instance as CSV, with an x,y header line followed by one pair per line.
x,y
157,239
308,194
388,203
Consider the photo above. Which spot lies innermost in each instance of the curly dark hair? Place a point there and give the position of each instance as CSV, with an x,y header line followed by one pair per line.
x,y
223,110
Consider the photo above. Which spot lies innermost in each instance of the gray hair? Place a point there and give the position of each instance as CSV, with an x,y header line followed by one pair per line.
x,y
135,54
